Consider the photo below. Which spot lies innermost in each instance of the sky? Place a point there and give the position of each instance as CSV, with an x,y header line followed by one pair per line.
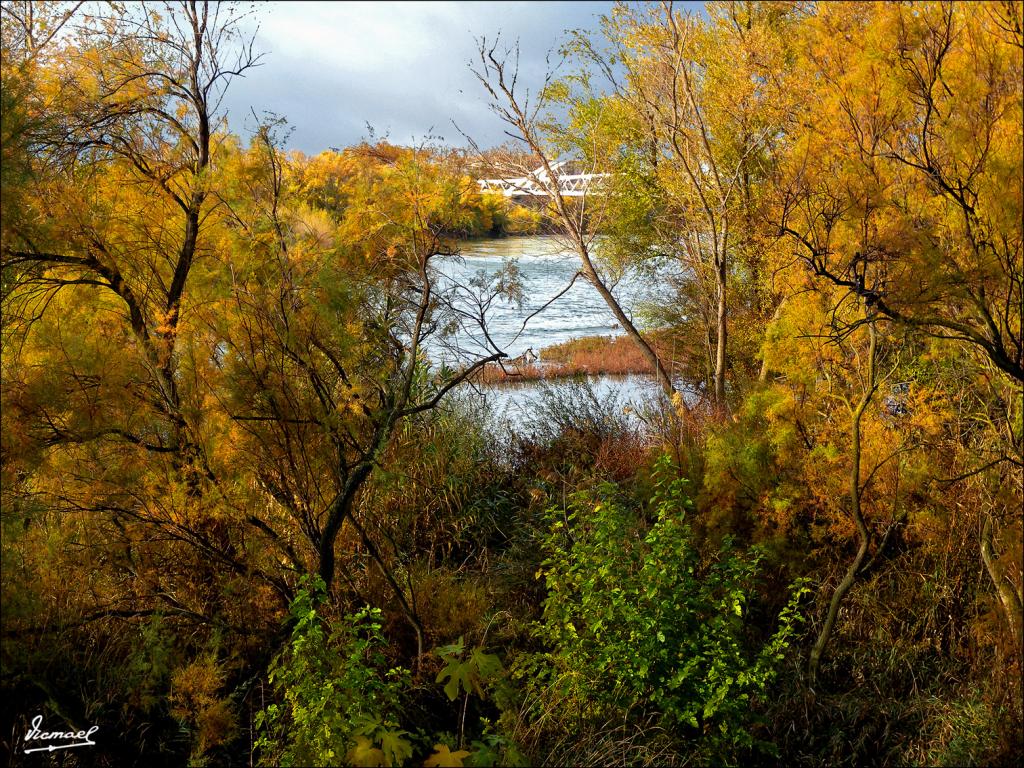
x,y
331,68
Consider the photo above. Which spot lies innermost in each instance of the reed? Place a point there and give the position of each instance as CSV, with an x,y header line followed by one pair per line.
x,y
594,355
597,354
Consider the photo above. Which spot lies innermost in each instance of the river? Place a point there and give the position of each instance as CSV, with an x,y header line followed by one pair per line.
x,y
546,268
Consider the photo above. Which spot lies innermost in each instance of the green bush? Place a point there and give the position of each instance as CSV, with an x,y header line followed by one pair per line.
x,y
637,624
336,698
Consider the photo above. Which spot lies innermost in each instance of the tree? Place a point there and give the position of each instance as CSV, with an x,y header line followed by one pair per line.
x,y
322,344
124,149
901,185
918,120
499,74
688,128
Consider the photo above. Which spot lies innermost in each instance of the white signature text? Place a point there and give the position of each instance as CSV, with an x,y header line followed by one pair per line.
x,y
77,738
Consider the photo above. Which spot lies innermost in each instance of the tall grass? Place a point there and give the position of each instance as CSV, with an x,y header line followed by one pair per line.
x,y
590,355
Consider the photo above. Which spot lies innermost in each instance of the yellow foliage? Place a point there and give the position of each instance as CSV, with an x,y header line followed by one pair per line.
x,y
443,757
194,700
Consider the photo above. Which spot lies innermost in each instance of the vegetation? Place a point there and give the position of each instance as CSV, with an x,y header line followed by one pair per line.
x,y
611,355
247,516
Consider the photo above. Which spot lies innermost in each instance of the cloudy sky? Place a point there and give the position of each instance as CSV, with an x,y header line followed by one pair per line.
x,y
331,68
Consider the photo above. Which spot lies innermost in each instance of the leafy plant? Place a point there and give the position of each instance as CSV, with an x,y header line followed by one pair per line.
x,y
467,674
483,674
635,621
337,699
494,748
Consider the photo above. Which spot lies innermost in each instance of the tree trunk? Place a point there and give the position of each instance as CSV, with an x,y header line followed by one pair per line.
x,y
341,510
1008,598
721,325
664,379
863,534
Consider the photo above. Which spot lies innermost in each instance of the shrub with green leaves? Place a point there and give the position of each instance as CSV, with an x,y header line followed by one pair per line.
x,y
336,696
637,623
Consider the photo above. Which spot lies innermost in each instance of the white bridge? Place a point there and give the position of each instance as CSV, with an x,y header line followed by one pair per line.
x,y
539,184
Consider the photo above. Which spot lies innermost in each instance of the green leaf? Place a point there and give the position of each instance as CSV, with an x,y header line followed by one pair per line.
x,y
461,676
455,649
396,748
488,665
467,676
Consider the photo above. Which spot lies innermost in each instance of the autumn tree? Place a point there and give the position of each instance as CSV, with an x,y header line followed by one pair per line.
x,y
497,72
101,381
926,134
323,338
901,185
108,475
690,136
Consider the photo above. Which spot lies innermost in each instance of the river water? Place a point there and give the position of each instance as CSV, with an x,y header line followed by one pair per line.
x,y
546,269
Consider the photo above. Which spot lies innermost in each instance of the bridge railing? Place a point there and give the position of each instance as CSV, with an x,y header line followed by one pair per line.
x,y
537,185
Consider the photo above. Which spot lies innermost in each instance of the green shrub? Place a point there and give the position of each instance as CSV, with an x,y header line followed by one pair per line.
x,y
336,698
636,623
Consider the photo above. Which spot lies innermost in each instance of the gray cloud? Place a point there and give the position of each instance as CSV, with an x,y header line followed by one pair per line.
x,y
331,68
